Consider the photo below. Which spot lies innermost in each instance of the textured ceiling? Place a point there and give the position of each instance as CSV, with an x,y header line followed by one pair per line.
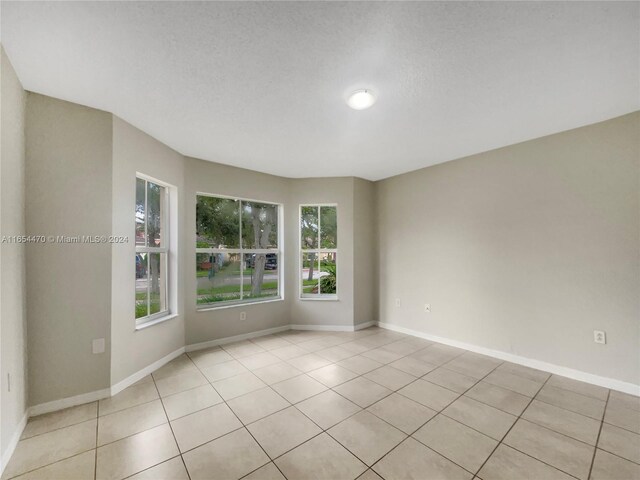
x,y
263,85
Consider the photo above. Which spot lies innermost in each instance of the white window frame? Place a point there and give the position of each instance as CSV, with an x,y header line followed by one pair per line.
x,y
166,314
242,252
318,251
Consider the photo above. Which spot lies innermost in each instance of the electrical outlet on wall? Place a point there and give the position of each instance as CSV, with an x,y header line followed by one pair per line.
x,y
98,345
427,308
397,302
243,315
599,336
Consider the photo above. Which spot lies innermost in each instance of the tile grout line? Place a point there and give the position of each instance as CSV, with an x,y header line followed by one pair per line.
x,y
133,434
47,465
238,418
331,388
440,413
501,442
95,449
170,427
95,461
595,449
321,428
326,431
370,347
365,408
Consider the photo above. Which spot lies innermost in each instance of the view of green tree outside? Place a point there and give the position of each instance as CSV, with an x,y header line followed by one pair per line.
x,y
150,215
237,250
318,242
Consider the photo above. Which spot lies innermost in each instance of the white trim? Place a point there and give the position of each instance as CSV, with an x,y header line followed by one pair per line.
x,y
362,326
579,375
317,297
231,197
155,321
237,250
169,199
13,442
236,338
333,297
241,303
325,328
140,374
63,403
88,397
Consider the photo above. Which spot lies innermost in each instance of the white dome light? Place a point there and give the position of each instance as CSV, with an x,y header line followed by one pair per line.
x,y
361,99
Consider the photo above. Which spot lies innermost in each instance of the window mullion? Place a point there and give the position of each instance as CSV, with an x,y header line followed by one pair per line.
x,y
148,284
146,215
146,244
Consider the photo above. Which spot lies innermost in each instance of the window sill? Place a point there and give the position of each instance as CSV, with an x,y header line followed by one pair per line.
x,y
321,298
235,305
155,321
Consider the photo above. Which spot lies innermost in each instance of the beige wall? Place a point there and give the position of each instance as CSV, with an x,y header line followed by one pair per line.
x,y
526,249
68,185
207,177
13,358
365,259
136,152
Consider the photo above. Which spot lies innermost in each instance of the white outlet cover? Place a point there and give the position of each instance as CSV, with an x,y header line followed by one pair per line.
x,y
427,307
599,336
397,302
98,345
243,315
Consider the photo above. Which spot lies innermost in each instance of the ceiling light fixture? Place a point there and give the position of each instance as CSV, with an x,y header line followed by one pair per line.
x,y
361,99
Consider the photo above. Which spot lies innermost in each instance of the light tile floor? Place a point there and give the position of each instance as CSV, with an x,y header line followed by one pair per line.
x,y
369,404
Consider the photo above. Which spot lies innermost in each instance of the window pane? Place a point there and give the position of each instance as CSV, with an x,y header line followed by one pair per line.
x,y
155,207
259,225
217,222
328,227
141,285
328,273
310,273
217,277
309,227
261,275
158,283
140,211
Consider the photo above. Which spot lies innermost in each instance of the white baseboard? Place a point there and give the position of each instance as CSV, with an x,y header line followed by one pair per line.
x,y
362,326
236,338
324,328
606,382
68,402
334,328
140,374
103,393
13,443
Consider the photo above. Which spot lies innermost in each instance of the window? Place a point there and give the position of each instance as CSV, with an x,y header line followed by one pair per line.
x,y
152,250
237,253
318,251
